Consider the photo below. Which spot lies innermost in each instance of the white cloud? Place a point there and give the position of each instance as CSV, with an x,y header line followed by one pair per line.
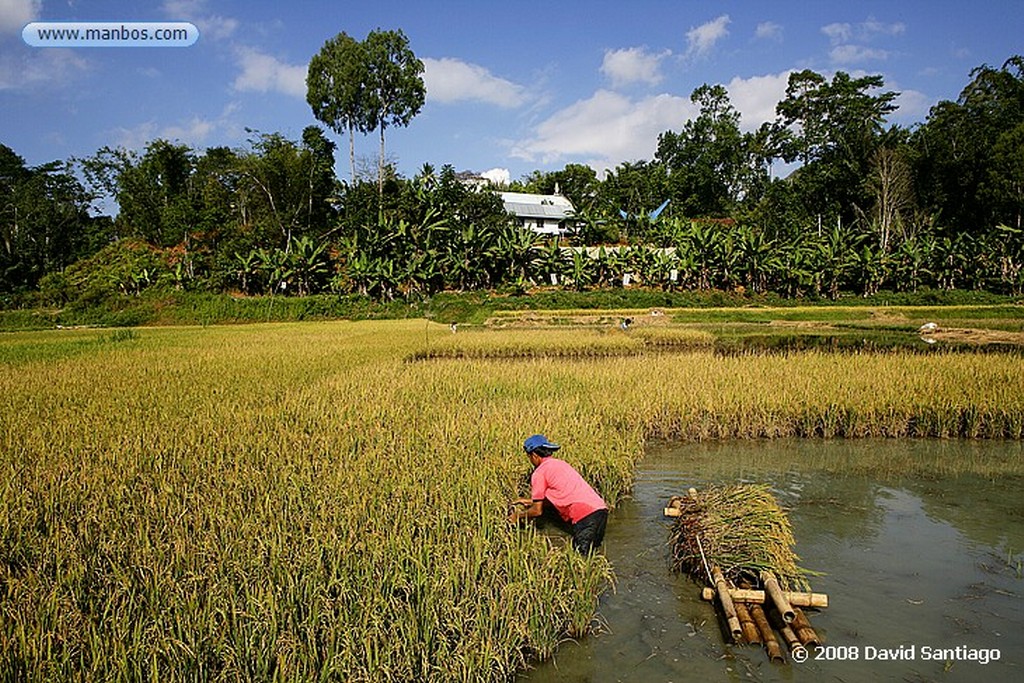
x,y
264,73
28,69
871,28
848,40
136,137
701,39
865,31
755,98
633,65
14,14
194,132
452,80
607,127
769,30
912,106
853,54
195,11
498,176
838,33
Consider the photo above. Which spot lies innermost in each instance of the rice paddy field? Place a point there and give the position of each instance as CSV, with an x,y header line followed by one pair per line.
x,y
328,501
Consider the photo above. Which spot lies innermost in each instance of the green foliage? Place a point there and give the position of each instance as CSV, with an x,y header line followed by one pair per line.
x,y
44,221
335,84
869,209
968,152
126,267
708,160
366,86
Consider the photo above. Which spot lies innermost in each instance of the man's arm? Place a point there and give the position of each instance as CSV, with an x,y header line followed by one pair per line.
x,y
530,509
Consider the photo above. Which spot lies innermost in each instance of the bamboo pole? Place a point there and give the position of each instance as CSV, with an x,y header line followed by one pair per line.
x,y
784,630
804,631
759,597
771,586
750,632
771,644
727,604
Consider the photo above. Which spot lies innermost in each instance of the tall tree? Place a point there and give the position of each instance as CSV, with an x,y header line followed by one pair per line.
x,y
834,129
336,85
155,192
706,159
394,88
44,221
283,187
964,147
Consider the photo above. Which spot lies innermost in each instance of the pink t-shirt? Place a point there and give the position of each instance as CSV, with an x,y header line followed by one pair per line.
x,y
557,481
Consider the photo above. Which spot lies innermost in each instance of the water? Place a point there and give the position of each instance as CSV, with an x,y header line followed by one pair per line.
x,y
920,543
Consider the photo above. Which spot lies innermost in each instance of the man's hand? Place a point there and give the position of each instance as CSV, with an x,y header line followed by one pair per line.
x,y
525,508
518,510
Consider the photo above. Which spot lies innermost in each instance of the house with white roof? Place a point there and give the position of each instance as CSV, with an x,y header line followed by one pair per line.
x,y
545,214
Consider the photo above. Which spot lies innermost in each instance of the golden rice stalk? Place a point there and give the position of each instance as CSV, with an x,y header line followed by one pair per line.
x,y
741,529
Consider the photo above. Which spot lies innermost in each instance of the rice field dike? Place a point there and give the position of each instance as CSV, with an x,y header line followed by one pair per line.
x,y
328,500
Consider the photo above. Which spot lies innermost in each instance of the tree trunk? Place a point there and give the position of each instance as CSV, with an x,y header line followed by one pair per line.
x,y
380,166
352,152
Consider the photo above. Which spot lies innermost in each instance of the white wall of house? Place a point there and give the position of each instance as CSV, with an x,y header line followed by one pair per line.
x,y
542,213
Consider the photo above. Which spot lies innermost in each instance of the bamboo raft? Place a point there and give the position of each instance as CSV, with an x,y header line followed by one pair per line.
x,y
739,542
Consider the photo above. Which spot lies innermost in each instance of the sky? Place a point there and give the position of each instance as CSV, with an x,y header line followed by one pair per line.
x,y
512,87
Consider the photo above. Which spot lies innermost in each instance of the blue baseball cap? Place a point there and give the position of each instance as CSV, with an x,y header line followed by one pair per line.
x,y
539,441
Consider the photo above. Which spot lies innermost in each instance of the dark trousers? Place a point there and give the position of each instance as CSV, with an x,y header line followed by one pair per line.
x,y
588,533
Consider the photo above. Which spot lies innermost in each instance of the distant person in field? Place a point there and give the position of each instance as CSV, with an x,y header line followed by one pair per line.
x,y
562,486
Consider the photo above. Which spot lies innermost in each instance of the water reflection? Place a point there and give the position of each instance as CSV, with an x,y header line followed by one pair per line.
x,y
920,543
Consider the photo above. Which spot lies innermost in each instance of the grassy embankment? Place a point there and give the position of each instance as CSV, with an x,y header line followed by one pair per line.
x,y
305,501
196,308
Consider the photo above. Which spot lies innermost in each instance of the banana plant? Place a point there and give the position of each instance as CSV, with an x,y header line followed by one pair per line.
x,y
758,258
837,257
642,265
797,267
703,242
912,259
618,266
951,260
550,264
246,270
583,270
871,267
309,265
277,269
665,268
513,252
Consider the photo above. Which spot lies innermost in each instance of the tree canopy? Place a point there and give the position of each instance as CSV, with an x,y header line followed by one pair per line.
x,y
869,206
366,86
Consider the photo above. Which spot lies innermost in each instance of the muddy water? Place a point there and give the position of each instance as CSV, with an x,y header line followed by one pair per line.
x,y
921,546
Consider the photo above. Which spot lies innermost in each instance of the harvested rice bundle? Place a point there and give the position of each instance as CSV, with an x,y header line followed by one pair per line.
x,y
742,530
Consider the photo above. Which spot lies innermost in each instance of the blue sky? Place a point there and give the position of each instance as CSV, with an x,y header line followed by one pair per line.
x,y
511,86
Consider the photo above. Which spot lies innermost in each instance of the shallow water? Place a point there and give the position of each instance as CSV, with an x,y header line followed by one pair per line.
x,y
921,545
